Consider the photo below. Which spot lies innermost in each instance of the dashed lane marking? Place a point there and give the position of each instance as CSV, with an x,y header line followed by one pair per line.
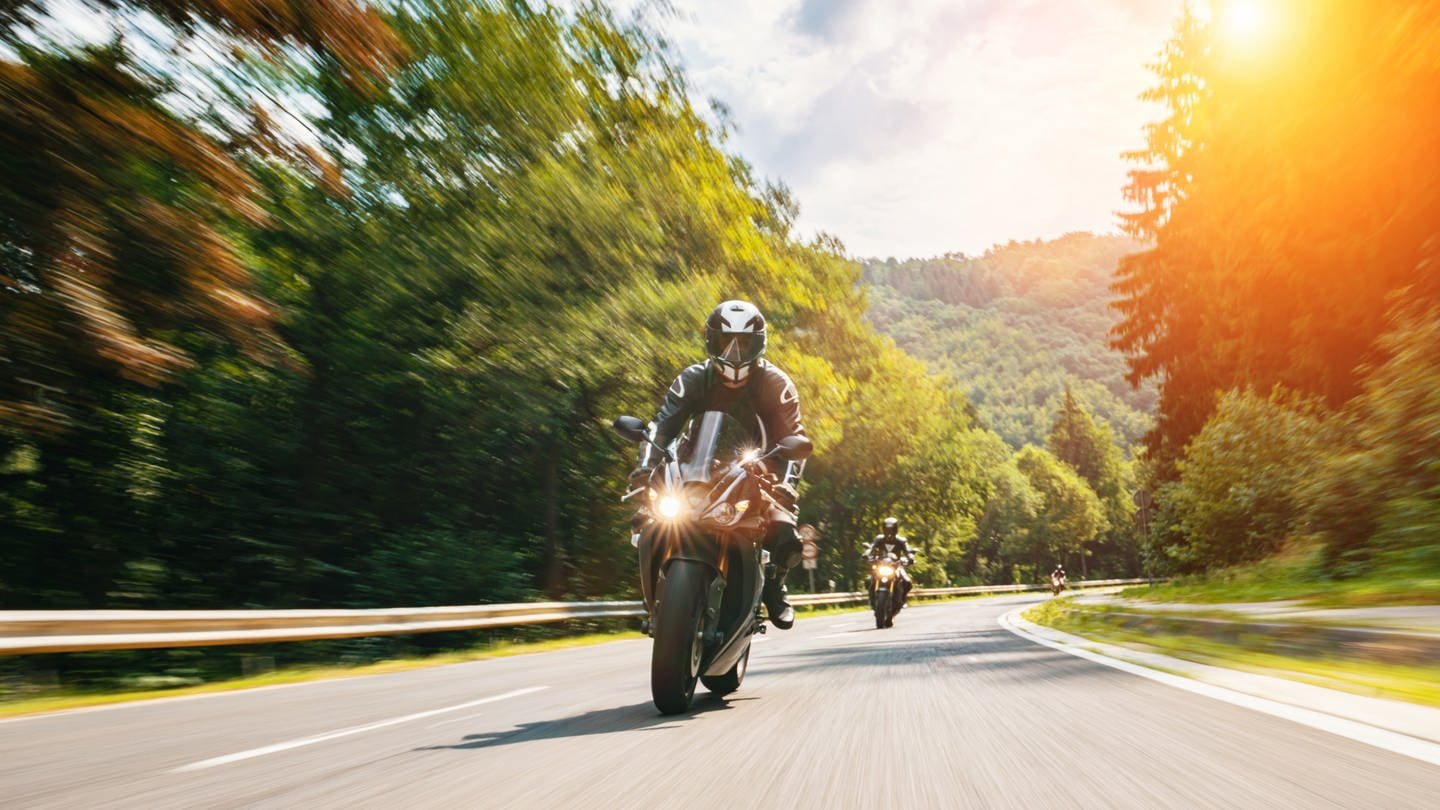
x,y
344,732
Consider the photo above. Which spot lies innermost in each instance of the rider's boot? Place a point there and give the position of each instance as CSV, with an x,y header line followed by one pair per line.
x,y
777,607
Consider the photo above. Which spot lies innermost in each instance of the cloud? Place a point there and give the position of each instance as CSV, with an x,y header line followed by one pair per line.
x,y
911,128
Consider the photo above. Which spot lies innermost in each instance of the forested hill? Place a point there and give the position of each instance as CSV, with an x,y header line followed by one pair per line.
x,y
1012,328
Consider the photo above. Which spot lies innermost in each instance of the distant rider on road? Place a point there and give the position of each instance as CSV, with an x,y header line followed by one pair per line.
x,y
890,541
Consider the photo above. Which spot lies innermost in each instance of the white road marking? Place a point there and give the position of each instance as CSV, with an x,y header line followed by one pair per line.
x,y
850,634
344,732
1391,741
845,624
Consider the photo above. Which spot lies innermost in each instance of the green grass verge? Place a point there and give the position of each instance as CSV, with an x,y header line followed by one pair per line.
x,y
60,700
1416,684
1296,577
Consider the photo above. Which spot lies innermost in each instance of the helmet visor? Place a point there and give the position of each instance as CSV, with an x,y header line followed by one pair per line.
x,y
734,348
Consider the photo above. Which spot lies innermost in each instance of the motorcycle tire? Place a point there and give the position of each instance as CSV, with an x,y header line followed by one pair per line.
x,y
679,631
730,681
882,612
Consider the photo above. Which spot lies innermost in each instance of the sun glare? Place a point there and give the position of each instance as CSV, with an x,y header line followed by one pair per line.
x,y
1246,20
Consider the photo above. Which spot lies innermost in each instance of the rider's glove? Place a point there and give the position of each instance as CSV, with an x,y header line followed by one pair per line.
x,y
640,477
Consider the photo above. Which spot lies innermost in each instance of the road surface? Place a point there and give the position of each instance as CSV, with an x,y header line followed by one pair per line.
x,y
947,709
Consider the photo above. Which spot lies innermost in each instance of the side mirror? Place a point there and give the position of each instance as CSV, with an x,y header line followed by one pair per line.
x,y
631,429
795,448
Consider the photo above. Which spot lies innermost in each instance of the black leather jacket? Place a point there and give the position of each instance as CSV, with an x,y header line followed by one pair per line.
x,y
883,545
768,405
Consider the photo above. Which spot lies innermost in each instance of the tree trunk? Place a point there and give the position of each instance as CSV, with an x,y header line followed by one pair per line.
x,y
554,564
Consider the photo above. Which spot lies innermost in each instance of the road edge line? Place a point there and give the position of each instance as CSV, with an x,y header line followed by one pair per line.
x,y
1385,739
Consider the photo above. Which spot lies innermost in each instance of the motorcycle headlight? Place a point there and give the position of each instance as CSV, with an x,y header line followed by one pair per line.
x,y
887,570
670,507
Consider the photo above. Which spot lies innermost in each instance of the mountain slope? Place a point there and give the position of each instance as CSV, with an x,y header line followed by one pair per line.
x,y
1014,327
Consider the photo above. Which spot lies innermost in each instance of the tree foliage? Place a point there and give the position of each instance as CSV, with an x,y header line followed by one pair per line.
x,y
1237,498
1015,328
1290,197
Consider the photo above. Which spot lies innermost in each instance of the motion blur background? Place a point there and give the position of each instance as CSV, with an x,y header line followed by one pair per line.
x,y
311,303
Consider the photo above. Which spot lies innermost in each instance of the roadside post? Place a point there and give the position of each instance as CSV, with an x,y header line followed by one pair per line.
x,y
809,553
1143,501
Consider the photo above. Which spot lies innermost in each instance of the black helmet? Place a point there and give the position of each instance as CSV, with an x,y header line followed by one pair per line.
x,y
735,339
892,526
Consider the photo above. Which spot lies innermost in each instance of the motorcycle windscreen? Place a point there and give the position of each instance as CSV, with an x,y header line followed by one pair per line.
x,y
714,439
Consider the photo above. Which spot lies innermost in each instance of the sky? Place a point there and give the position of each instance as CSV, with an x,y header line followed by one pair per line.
x,y
921,127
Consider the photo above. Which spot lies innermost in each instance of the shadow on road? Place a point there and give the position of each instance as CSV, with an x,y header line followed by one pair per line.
x,y
636,717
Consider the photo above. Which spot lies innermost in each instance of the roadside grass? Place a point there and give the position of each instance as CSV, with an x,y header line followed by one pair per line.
x,y
1274,581
60,700
1416,684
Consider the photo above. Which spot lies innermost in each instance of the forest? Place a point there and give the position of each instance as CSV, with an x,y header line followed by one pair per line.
x,y
1015,328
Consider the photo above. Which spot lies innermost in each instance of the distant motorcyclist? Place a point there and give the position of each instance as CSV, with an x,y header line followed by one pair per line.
x,y
890,541
762,398
1057,579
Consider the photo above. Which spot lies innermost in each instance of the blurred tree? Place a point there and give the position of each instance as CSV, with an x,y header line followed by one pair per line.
x,y
1375,500
1236,499
116,212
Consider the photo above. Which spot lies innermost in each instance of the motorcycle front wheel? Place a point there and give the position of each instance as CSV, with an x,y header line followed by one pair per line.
x,y
679,637
882,608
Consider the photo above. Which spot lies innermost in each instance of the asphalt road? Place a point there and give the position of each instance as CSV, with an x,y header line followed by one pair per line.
x,y
946,709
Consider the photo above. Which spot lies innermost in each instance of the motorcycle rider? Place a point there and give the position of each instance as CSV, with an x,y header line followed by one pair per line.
x,y
1057,578
890,541
738,380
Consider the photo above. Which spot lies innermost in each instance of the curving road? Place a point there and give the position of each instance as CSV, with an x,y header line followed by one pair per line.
x,y
945,710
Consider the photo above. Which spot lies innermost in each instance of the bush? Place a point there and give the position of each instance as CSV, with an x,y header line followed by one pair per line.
x,y
1237,498
1376,502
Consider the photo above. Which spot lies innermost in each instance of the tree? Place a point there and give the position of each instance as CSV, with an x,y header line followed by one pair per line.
x,y
1069,516
1237,497
1089,448
1375,499
117,213
1276,252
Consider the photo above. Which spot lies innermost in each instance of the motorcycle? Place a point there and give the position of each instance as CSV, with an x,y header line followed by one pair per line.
x,y
1057,584
699,530
887,590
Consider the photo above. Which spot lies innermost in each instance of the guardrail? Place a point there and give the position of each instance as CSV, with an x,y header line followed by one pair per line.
x,y
53,631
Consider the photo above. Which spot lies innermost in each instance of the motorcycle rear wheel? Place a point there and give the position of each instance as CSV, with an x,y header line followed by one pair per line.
x,y
730,681
679,644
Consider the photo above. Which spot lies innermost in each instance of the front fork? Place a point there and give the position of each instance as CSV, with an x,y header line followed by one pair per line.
x,y
656,553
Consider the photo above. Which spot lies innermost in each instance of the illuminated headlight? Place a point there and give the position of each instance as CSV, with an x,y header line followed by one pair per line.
x,y
741,506
670,507
749,456
885,570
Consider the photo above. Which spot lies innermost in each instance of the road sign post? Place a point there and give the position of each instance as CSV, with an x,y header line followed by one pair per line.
x,y
809,552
